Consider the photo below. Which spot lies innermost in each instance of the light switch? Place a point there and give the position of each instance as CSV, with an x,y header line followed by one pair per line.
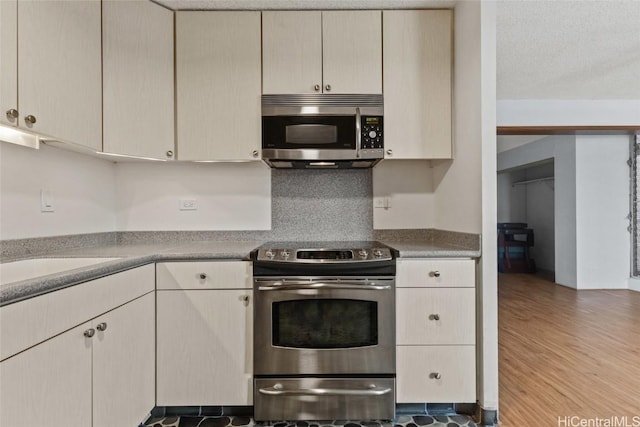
x,y
378,202
46,200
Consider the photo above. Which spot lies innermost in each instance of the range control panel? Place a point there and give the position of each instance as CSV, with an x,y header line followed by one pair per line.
x,y
324,255
371,133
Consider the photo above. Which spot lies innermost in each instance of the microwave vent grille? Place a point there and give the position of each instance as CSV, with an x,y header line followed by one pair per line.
x,y
323,100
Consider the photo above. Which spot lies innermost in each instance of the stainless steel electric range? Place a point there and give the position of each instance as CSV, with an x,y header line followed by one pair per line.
x,y
324,331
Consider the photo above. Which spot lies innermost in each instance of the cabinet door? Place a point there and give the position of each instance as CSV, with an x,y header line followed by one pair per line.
x,y
49,384
137,50
204,347
8,60
417,69
291,52
352,51
124,362
59,66
218,85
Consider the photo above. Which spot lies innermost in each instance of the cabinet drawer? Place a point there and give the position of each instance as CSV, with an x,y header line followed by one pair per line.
x,y
435,316
204,275
436,374
415,273
26,323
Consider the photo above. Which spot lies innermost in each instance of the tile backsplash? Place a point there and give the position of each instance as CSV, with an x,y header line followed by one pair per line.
x,y
321,204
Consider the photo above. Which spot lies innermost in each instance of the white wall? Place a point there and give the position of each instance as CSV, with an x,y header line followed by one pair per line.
x,y
83,190
568,112
230,196
602,203
409,186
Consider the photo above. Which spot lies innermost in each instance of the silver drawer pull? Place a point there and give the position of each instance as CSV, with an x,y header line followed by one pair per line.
x,y
434,317
435,375
202,276
89,332
102,326
434,274
278,390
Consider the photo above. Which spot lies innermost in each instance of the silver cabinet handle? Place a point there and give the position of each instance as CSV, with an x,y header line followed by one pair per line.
x,y
89,332
255,153
245,298
30,119
316,88
434,317
327,88
434,274
278,390
203,276
102,326
169,153
435,375
390,152
12,114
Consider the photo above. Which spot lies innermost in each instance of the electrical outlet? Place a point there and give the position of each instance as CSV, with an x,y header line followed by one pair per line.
x,y
188,205
46,201
378,202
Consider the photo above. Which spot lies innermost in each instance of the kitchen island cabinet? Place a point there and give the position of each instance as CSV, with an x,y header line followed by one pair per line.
x,y
137,64
218,78
205,333
418,66
83,376
56,90
322,52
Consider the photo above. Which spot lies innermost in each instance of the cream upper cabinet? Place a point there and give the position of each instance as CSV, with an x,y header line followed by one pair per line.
x,y
322,52
59,70
9,62
218,75
137,65
417,73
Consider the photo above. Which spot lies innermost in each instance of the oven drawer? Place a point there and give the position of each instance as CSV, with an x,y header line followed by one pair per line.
x,y
435,316
204,275
415,273
324,398
436,374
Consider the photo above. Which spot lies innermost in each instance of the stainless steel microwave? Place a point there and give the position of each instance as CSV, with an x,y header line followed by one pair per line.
x,y
322,130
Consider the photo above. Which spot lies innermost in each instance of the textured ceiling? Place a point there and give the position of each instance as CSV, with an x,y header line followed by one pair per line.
x,y
568,49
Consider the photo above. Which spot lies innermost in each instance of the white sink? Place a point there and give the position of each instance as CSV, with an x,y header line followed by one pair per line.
x,y
31,268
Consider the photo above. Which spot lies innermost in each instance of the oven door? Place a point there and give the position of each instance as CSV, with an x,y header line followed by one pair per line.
x,y
324,326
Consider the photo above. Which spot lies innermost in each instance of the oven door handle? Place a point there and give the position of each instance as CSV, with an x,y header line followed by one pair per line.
x,y
278,390
279,286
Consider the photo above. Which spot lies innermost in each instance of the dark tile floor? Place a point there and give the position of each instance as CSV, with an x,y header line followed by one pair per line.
x,y
236,421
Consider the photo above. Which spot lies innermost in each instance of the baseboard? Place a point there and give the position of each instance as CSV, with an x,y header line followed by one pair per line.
x,y
634,284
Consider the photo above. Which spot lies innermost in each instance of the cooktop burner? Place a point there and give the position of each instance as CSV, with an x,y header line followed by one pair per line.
x,y
324,252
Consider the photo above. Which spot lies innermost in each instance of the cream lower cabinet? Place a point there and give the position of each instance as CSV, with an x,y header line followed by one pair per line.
x,y
435,331
204,333
417,70
100,373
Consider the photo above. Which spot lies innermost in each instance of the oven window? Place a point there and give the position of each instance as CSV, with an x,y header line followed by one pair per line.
x,y
325,323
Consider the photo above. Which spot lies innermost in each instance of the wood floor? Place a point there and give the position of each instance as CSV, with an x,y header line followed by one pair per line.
x,y
565,353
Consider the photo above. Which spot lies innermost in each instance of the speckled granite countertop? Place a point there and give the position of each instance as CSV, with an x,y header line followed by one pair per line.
x,y
129,256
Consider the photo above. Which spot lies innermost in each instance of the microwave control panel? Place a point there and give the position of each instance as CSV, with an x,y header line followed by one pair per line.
x,y
371,133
